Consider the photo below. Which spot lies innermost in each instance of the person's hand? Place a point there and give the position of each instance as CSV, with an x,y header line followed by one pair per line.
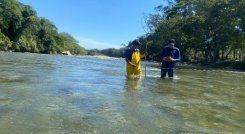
x,y
133,65
144,55
166,59
170,58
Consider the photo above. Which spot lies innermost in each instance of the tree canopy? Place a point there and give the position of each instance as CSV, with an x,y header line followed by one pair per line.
x,y
205,30
22,30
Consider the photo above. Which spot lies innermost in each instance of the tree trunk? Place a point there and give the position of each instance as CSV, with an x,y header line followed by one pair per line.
x,y
222,54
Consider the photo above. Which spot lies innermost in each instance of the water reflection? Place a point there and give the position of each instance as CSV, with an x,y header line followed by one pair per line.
x,y
132,84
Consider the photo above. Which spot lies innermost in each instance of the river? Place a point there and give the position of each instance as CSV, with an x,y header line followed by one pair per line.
x,y
58,94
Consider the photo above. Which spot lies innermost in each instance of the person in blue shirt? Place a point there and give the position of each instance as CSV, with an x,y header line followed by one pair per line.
x,y
170,55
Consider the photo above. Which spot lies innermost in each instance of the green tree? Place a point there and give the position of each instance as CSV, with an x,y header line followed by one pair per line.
x,y
205,30
5,43
69,43
22,30
11,16
112,52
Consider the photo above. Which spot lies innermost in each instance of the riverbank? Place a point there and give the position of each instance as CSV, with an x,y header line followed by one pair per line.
x,y
207,66
225,65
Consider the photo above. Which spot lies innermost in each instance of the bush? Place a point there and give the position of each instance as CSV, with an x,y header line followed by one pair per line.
x,y
239,65
5,43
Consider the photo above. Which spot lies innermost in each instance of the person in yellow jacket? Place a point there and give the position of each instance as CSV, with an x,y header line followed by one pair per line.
x,y
132,58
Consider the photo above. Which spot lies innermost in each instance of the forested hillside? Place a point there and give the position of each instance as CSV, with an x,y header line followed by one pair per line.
x,y
21,30
205,30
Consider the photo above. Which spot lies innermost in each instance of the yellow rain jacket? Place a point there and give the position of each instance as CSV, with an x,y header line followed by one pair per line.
x,y
135,60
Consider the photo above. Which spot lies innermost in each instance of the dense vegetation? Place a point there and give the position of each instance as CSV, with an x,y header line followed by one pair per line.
x,y
21,30
206,31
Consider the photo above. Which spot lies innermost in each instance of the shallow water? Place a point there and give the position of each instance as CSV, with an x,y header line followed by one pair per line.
x,y
65,94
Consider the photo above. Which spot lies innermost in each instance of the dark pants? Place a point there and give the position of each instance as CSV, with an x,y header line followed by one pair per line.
x,y
164,72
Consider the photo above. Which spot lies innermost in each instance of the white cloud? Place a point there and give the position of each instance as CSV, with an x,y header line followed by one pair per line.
x,y
88,43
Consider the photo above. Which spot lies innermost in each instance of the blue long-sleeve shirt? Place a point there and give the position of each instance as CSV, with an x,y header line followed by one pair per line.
x,y
172,52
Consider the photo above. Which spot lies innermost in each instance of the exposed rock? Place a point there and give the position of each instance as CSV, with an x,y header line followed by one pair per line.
x,y
66,53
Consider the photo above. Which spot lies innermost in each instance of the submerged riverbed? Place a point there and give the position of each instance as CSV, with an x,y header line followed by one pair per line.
x,y
66,94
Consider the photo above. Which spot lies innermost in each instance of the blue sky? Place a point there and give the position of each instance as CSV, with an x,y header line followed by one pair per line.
x,y
97,23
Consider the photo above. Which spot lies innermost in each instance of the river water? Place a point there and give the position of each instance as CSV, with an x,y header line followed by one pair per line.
x,y
68,94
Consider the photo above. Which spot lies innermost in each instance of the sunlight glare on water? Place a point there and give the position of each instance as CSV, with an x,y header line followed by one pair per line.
x,y
84,94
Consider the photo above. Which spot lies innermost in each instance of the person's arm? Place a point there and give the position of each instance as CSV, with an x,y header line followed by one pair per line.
x,y
143,55
164,57
129,62
177,56
127,58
